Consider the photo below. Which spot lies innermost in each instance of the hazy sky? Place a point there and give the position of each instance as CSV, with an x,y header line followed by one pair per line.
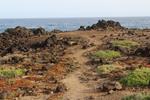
x,y
73,8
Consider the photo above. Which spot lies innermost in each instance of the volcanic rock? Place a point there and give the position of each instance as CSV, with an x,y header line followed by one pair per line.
x,y
104,25
143,51
109,86
39,31
18,31
56,31
82,28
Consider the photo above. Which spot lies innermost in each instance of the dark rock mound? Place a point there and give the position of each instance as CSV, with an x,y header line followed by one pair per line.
x,y
39,31
51,41
56,31
82,28
18,31
143,51
103,25
109,86
108,24
23,39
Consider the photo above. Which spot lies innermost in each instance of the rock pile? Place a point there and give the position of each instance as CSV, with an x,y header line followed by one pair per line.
x,y
39,31
103,25
25,40
110,86
22,39
143,50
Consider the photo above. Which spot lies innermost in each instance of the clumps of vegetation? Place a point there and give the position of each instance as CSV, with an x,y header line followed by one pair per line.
x,y
124,43
137,97
11,73
107,54
108,68
138,77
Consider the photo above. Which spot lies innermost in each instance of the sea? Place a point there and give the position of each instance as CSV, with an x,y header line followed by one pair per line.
x,y
71,24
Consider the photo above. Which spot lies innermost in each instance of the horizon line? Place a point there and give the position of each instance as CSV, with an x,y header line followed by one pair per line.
x,y
76,17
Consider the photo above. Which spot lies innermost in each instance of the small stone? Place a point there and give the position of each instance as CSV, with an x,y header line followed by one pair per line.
x,y
111,91
72,43
118,86
108,86
52,92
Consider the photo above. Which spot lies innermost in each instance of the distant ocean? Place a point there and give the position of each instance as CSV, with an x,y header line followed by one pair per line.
x,y
70,24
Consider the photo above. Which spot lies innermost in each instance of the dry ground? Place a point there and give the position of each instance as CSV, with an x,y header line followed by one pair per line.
x,y
78,90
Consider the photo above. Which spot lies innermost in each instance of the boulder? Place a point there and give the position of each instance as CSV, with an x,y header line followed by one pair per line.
x,y
110,86
50,41
82,28
18,31
39,31
143,51
56,31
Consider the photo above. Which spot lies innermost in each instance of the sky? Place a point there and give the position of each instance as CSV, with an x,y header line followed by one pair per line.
x,y
73,8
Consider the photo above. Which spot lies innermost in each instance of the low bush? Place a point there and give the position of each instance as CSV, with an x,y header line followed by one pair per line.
x,y
137,97
138,77
106,54
124,43
11,73
108,68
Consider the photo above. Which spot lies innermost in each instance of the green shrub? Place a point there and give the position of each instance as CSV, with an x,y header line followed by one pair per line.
x,y
137,97
124,43
106,69
10,73
139,77
106,54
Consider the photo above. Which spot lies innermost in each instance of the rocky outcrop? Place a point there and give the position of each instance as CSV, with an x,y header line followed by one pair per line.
x,y
82,28
22,39
143,51
56,31
25,40
110,86
103,25
18,31
39,31
51,41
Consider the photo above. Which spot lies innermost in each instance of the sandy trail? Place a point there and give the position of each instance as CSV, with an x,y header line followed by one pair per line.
x,y
76,89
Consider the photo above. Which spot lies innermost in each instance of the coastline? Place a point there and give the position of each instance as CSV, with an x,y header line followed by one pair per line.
x,y
70,24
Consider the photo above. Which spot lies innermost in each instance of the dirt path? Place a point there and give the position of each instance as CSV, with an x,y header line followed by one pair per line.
x,y
76,89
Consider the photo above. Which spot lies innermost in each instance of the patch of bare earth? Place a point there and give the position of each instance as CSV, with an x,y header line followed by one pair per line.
x,y
77,90
81,84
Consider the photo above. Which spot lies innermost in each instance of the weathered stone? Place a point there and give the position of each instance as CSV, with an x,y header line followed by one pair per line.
x,y
19,31
103,24
56,31
143,51
82,28
39,31
108,86
51,41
